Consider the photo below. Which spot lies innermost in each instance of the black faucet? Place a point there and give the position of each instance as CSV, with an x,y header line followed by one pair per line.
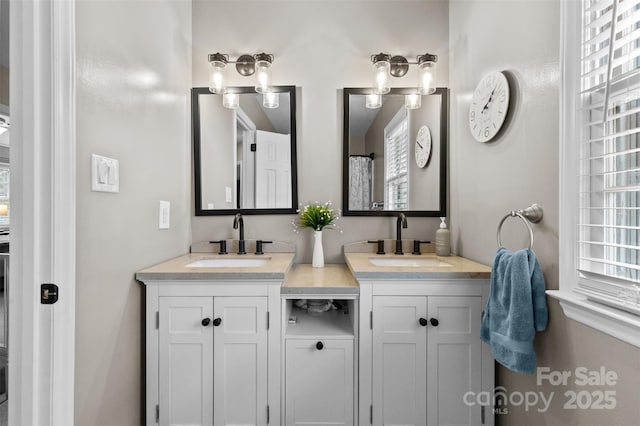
x,y
238,221
401,223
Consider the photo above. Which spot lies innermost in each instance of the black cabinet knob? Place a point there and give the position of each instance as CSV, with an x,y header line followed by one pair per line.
x,y
206,321
217,322
434,322
423,322
319,346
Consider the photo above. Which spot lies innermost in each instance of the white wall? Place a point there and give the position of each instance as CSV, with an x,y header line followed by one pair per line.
x,y
520,168
321,47
219,125
133,80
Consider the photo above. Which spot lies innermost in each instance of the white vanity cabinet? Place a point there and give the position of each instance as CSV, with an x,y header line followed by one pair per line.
x,y
213,342
212,359
320,350
421,356
319,366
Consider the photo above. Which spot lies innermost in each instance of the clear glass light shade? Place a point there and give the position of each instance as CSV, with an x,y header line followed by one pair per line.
x,y
263,76
230,100
270,100
382,77
216,77
373,101
413,101
425,78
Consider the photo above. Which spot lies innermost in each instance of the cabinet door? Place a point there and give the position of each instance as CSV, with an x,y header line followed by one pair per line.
x,y
454,360
240,361
185,361
399,361
319,382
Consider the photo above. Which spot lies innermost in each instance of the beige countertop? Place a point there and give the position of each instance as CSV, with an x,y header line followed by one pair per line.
x,y
304,279
176,269
332,279
459,267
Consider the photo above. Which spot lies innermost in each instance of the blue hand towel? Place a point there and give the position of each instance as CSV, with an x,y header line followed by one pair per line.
x,y
515,310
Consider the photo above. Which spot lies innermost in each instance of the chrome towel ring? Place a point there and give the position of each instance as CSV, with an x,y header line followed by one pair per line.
x,y
532,214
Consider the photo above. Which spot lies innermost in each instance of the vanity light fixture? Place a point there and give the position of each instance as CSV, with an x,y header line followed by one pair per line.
x,y
270,100
231,100
426,65
217,62
246,65
373,101
382,66
413,101
386,66
263,72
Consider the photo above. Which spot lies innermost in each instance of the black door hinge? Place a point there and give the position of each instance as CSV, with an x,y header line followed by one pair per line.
x,y
48,293
254,147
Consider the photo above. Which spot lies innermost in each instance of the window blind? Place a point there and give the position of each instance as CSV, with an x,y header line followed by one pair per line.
x,y
396,165
609,172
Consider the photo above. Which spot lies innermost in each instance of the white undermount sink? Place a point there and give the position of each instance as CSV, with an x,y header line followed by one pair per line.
x,y
406,262
229,262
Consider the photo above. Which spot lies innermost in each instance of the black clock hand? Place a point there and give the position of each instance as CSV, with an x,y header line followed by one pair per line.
x,y
419,144
486,106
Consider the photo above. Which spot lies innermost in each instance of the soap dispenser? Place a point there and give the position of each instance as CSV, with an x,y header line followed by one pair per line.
x,y
443,240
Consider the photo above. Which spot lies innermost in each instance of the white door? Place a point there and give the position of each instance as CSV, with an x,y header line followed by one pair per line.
x,y
319,382
240,361
43,188
273,170
399,364
454,357
185,361
246,129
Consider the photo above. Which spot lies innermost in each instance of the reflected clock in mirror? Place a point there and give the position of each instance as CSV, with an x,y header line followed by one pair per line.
x,y
245,157
394,158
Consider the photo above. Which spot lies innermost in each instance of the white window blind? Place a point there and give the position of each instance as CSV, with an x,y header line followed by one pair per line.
x,y
396,162
608,243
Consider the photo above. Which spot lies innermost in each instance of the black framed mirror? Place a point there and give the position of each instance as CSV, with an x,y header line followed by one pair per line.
x,y
394,159
244,157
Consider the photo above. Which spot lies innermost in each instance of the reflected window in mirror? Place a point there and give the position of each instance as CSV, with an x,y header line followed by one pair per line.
x,y
244,151
394,157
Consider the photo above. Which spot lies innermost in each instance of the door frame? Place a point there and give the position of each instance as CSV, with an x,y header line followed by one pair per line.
x,y
43,185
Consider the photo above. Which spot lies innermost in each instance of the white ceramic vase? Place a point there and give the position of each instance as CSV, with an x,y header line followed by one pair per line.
x,y
318,253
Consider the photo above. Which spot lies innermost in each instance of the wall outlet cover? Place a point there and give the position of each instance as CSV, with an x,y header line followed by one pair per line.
x,y
105,174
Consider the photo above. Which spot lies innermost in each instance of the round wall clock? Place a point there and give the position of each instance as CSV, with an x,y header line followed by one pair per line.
x,y
423,146
489,106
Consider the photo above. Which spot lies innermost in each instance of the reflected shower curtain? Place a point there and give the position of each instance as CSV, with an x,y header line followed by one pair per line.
x,y
360,169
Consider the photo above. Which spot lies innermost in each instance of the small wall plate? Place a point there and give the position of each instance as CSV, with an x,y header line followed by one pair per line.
x,y
105,173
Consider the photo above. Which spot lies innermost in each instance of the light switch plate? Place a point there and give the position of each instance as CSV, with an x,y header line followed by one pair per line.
x,y
164,219
105,174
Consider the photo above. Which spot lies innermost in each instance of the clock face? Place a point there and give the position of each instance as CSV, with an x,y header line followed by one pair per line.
x,y
423,146
489,106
